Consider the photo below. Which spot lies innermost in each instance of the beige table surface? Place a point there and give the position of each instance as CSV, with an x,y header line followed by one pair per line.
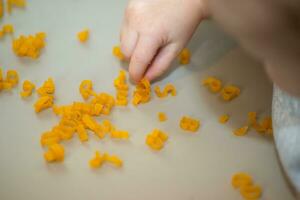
x,y
190,167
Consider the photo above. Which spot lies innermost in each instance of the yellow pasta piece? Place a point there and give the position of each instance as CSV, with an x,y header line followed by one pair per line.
x,y
158,92
43,102
83,108
49,138
106,100
64,130
142,93
83,36
169,88
118,53
113,159
82,134
11,80
213,84
12,77
89,122
251,192
55,152
241,179
29,46
267,125
93,125
28,87
241,131
189,124
162,116
47,89
122,89
185,56
97,161
156,139
223,118
86,88
119,134
8,29
107,126
96,109
244,183
230,92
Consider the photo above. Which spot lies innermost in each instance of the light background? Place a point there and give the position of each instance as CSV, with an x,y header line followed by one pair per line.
x,y
190,167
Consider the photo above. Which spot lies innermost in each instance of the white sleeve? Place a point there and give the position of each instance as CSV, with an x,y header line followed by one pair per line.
x,y
286,124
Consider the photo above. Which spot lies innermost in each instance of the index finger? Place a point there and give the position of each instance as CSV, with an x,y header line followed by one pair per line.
x,y
143,54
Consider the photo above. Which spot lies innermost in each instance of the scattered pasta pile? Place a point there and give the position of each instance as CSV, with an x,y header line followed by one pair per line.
x,y
228,92
244,183
79,118
11,80
29,46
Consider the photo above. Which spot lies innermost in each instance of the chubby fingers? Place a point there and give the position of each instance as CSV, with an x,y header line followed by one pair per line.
x,y
162,61
128,39
143,54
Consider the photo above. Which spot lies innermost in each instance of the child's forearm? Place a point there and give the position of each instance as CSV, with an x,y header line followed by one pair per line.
x,y
269,30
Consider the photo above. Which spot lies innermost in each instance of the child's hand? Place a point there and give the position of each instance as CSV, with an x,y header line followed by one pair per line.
x,y
155,31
